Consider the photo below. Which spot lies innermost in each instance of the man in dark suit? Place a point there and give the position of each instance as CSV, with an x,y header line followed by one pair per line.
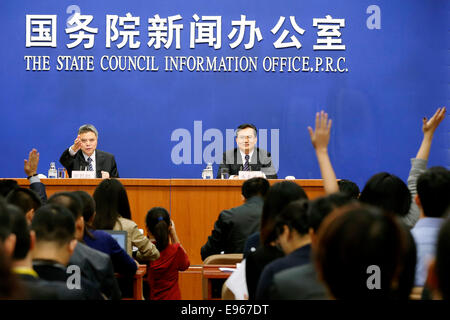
x,y
234,225
246,157
83,155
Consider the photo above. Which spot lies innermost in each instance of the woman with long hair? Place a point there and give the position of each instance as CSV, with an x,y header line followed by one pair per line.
x,y
113,213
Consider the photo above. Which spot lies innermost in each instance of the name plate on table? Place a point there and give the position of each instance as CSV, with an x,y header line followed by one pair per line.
x,y
83,175
245,175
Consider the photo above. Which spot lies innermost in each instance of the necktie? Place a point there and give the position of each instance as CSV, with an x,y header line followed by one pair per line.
x,y
246,165
90,168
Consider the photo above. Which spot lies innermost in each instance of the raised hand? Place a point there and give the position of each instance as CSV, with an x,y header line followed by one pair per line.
x,y
321,136
30,165
76,144
429,126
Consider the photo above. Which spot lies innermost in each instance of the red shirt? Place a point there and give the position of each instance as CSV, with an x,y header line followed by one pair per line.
x,y
162,274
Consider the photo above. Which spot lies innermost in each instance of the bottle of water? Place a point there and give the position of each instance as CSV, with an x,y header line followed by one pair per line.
x,y
52,173
208,172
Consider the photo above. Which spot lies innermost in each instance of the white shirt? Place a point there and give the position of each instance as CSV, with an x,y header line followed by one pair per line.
x,y
72,153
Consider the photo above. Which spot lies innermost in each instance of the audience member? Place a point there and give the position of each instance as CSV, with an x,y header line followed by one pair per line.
x,y
438,280
34,288
104,242
27,200
361,254
277,198
234,225
113,213
291,226
432,198
302,283
163,273
349,187
96,266
54,227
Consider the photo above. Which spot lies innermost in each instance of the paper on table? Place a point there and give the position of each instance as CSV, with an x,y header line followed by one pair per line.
x,y
237,283
227,269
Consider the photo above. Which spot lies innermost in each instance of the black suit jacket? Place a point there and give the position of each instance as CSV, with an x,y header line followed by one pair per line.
x,y
104,162
260,161
233,227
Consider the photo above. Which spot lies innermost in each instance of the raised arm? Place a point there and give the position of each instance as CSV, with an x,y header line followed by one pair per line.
x,y
419,163
428,128
320,138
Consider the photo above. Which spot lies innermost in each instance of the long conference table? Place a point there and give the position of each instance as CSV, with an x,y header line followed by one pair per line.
x,y
194,205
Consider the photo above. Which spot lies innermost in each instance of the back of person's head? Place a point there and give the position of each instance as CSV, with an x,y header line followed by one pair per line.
x,y
5,220
53,223
320,208
68,200
158,222
88,204
19,226
254,187
25,199
443,259
433,188
111,201
294,216
349,187
361,254
7,185
388,192
278,197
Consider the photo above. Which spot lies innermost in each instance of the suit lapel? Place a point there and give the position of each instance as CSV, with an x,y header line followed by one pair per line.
x,y
100,159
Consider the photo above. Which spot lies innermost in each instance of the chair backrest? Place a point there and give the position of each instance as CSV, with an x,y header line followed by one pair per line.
x,y
227,258
219,259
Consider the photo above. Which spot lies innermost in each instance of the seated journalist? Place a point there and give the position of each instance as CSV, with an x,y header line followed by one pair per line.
x,y
83,155
246,157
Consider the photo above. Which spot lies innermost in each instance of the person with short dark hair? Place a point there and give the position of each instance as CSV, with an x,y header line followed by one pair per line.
x,y
83,155
347,186
277,198
362,253
95,265
302,283
433,199
234,225
244,157
54,227
34,288
27,200
162,274
292,229
430,189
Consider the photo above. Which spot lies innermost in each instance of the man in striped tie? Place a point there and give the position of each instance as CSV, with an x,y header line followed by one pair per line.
x,y
246,157
83,155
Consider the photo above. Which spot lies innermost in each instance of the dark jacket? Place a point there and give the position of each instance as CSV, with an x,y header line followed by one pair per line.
x,y
260,161
233,227
104,162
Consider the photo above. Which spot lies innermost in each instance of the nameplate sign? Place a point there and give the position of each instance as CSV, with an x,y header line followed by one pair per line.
x,y
83,175
245,175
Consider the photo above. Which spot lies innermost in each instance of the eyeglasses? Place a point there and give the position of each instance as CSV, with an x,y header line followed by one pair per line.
x,y
242,138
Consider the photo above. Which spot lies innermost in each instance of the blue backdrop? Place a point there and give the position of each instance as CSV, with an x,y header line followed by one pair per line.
x,y
393,77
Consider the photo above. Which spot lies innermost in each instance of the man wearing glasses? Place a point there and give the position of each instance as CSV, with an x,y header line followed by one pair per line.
x,y
246,157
